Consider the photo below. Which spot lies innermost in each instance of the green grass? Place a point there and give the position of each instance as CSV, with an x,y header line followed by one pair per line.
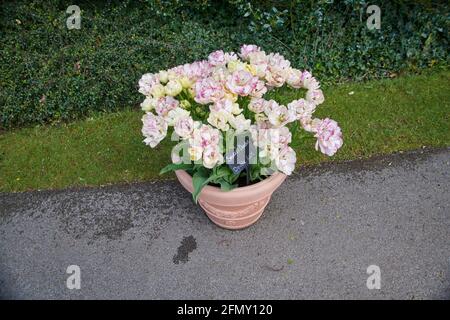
x,y
379,117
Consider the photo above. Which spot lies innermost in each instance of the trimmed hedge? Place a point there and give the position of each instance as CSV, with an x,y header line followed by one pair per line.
x,y
51,74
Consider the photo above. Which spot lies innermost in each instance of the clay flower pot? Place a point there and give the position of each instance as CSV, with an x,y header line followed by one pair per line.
x,y
238,208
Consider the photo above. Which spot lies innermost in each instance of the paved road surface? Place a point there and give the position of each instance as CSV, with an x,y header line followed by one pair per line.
x,y
320,232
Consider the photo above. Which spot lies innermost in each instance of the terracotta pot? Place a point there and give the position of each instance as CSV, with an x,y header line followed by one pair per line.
x,y
238,208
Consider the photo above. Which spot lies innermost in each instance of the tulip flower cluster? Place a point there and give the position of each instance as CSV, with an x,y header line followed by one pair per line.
x,y
225,95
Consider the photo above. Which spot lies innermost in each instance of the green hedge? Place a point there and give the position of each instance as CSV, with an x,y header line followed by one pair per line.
x,y
51,74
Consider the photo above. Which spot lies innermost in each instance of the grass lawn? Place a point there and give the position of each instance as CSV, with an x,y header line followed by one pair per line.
x,y
376,118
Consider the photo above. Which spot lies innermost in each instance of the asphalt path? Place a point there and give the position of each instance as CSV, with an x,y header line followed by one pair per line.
x,y
317,238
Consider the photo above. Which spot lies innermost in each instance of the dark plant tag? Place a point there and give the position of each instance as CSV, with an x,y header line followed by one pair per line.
x,y
242,156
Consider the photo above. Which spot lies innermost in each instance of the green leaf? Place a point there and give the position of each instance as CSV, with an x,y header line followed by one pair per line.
x,y
199,180
197,166
220,175
225,185
231,178
175,166
222,171
255,172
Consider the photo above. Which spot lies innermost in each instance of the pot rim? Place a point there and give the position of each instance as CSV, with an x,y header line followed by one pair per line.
x,y
259,184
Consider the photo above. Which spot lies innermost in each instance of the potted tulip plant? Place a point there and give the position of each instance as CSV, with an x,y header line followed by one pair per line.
x,y
233,149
